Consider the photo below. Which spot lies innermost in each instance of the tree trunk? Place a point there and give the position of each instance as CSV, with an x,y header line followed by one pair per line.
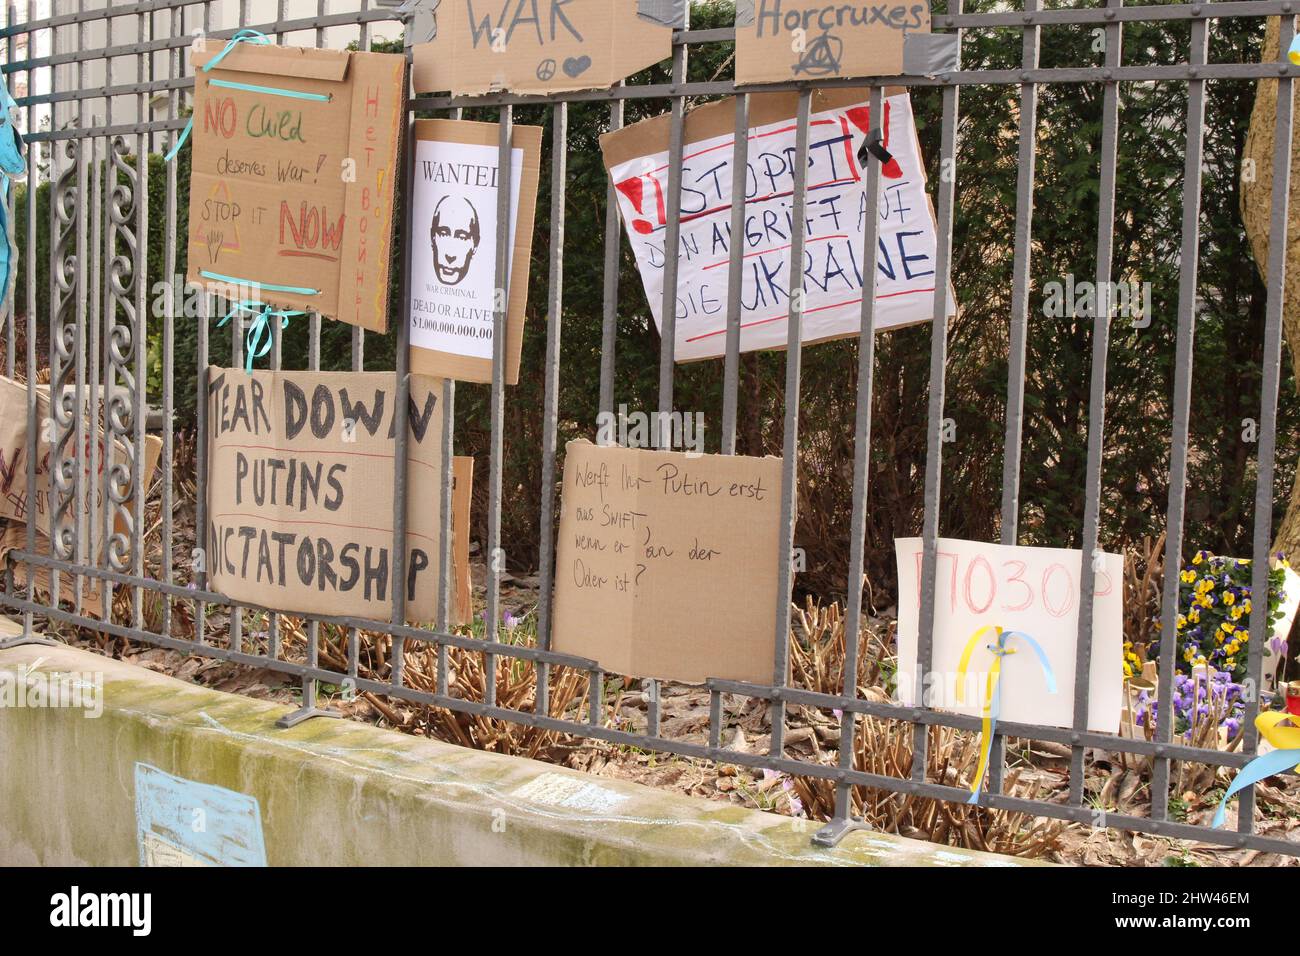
x,y
1256,212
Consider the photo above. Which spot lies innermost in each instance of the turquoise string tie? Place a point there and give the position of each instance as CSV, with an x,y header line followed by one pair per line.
x,y
243,36
260,334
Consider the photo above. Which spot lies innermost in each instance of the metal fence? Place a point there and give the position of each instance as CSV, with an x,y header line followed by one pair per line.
x,y
98,326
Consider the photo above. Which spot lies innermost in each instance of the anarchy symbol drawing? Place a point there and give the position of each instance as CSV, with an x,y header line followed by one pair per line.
x,y
546,70
822,56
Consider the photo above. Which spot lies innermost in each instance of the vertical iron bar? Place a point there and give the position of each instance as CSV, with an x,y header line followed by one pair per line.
x,y
402,409
1012,448
550,403
668,306
33,185
80,520
447,609
174,69
495,556
1096,400
1182,401
947,191
790,449
613,248
1278,246
861,459
735,277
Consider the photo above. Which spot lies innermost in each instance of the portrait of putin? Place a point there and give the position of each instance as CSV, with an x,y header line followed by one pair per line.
x,y
454,236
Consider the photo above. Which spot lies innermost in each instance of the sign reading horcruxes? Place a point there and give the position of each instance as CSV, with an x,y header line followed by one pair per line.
x,y
300,491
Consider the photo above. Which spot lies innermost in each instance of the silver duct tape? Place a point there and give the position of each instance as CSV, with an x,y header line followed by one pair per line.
x,y
669,13
421,16
744,13
930,54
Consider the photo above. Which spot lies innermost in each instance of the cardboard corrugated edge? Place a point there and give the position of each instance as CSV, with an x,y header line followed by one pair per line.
x,y
719,119
297,61
365,198
466,368
319,71
439,65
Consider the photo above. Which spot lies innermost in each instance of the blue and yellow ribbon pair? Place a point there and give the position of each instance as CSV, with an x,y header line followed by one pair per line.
x,y
260,334
993,688
1278,729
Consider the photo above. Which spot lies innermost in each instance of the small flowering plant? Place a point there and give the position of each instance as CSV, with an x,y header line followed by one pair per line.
x,y
1214,606
1202,703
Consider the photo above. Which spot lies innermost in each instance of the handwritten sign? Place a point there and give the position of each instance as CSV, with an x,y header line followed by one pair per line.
x,y
637,159
1031,590
813,39
294,170
666,564
16,499
300,491
13,537
454,230
539,46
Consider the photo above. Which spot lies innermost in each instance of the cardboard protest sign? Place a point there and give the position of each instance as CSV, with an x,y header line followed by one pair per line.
x,y
462,467
780,40
667,562
300,491
540,46
453,240
16,498
637,160
13,537
294,170
1031,590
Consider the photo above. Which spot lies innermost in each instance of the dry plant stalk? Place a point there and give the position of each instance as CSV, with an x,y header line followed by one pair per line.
x,y
1143,584
516,688
817,655
884,747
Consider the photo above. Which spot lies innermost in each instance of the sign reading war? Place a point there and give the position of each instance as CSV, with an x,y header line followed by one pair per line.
x,y
300,491
293,175
836,211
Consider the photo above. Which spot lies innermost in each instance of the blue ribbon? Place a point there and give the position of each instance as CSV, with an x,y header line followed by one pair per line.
x,y
243,36
260,334
1278,761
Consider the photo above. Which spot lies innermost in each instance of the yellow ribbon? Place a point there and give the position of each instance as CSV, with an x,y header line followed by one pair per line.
x,y
993,689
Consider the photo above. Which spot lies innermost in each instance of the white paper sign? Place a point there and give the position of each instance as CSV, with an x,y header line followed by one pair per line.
x,y
1033,590
835,217
454,231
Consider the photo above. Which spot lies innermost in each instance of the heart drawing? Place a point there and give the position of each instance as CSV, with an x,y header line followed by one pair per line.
x,y
575,66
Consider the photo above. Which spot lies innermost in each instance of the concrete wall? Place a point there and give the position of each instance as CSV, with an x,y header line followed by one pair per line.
x,y
337,793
